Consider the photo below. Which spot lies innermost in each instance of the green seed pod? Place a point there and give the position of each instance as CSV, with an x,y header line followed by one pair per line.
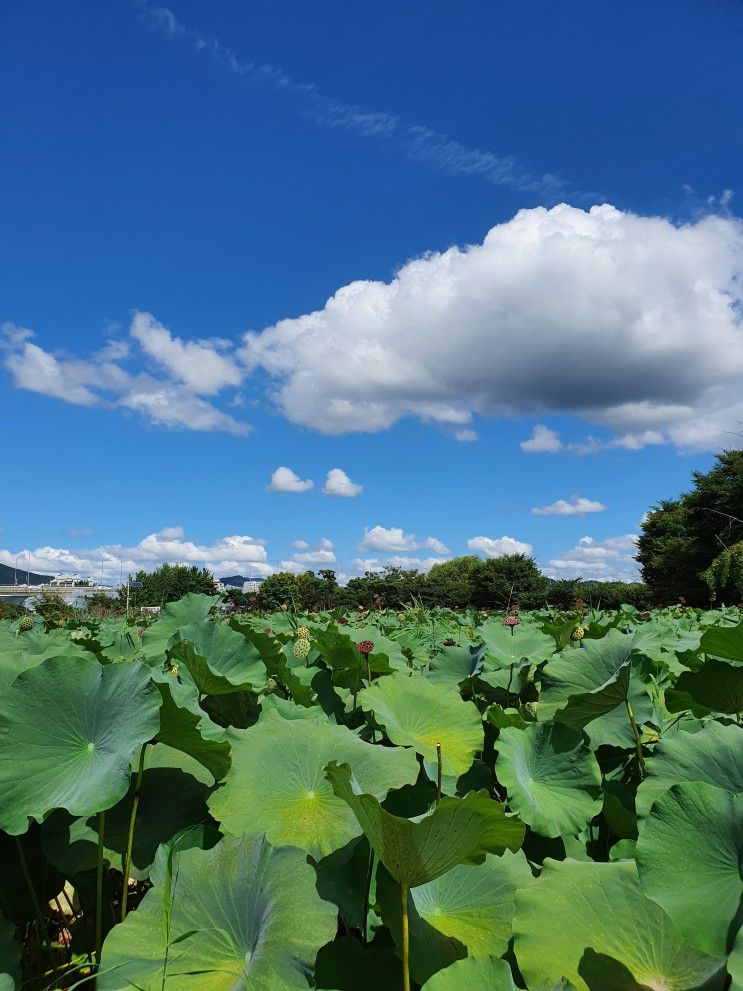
x,y
301,648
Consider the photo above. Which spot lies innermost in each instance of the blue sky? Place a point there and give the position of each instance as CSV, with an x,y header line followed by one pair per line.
x,y
482,258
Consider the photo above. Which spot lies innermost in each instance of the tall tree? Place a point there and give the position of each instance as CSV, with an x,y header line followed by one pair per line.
x,y
169,583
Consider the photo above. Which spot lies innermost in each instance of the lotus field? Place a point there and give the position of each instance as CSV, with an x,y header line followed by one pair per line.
x,y
373,801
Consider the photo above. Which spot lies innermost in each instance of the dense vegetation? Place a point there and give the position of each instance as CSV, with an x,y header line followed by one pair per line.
x,y
693,546
388,800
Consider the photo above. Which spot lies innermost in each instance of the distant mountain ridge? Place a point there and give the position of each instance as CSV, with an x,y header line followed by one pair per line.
x,y
8,576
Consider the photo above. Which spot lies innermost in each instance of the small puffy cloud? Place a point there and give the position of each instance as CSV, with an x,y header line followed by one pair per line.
x,y
300,544
465,436
199,365
390,539
285,480
610,559
498,546
322,554
170,405
435,545
575,506
543,440
38,371
337,483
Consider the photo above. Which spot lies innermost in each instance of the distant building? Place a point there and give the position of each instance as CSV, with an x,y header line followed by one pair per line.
x,y
70,581
252,585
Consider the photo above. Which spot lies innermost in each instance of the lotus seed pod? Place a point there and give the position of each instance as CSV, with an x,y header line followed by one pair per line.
x,y
301,648
302,633
25,624
578,633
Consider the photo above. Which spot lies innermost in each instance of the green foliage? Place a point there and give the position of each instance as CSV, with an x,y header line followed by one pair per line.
x,y
168,583
682,541
503,581
496,806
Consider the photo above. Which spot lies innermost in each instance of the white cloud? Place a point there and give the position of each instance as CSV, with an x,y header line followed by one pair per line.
x,y
498,546
38,371
199,365
542,441
609,559
547,441
300,544
337,483
169,405
323,554
376,564
390,539
629,322
575,506
285,480
225,556
465,436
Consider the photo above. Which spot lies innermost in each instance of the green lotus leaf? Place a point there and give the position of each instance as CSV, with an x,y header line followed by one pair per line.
x,y
735,963
713,755
457,831
242,916
68,730
724,642
689,858
218,659
581,684
552,778
586,921
186,727
502,718
277,782
418,714
614,729
19,654
10,957
511,645
475,974
192,608
466,912
170,801
716,685
453,665
340,654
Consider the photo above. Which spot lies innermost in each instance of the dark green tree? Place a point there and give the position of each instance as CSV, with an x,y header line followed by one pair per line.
x,y
450,584
279,591
680,538
169,583
503,581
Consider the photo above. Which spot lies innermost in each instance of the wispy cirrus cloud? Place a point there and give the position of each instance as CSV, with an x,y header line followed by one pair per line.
x,y
415,141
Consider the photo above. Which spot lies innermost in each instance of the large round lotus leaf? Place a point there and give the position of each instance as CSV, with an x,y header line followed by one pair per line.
x,y
590,922
453,665
243,917
68,730
552,778
614,729
418,714
466,912
456,831
724,642
689,858
277,783
510,645
714,755
585,683
192,608
716,685
474,974
20,653
186,727
218,659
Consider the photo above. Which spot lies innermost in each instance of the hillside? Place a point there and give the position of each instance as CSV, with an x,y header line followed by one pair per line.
x,y
8,575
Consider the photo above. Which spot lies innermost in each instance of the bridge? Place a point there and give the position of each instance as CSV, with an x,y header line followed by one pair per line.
x,y
21,592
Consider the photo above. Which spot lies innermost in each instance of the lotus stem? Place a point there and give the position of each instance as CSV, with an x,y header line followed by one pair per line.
x,y
127,863
638,741
43,935
99,889
439,775
367,891
405,938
